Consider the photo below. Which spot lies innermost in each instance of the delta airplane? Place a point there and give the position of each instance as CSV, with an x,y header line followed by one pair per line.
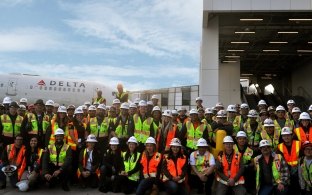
x,y
62,91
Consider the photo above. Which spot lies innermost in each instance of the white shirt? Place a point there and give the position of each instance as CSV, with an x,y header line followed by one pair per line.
x,y
193,160
89,161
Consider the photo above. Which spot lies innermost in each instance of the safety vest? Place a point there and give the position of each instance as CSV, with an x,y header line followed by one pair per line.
x,y
34,123
122,132
156,128
230,171
39,153
193,135
302,136
58,160
293,157
275,141
253,137
54,126
141,129
84,164
287,124
19,160
276,168
247,154
93,125
150,166
104,127
237,124
306,173
121,96
8,129
174,169
98,100
210,132
170,135
129,164
201,161
70,140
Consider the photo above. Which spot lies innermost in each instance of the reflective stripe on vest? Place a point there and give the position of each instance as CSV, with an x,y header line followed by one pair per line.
x,y
175,169
93,125
275,141
19,160
292,158
8,128
201,161
306,173
130,163
302,136
170,135
247,154
34,123
253,137
193,135
122,132
70,141
58,160
54,126
150,166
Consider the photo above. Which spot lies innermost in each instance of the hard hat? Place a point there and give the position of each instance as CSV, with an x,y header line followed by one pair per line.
x,y
193,111
304,116
156,108
221,114
56,105
271,108
124,105
219,104
49,103
133,105
167,113
150,140
268,123
71,106
137,100
96,103
10,171
208,111
198,99
59,131
296,109
306,144
280,108
13,104
175,142
310,108
228,139
231,108
154,97
91,108
262,102
22,107
244,106
182,109
7,100
84,107
23,100
101,106
252,114
291,102
91,138
174,112
149,103
87,103
201,142
114,141
213,108
132,139
264,143
62,109
241,134
116,101
286,131
22,185
142,103
108,107
78,110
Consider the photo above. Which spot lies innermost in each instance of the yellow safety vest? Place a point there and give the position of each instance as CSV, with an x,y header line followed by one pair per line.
x,y
58,160
8,129
129,164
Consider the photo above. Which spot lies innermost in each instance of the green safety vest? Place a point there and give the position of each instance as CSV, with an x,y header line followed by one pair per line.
x,y
193,135
58,160
122,132
253,137
129,164
306,174
287,124
247,154
273,141
141,130
210,132
34,123
8,129
104,127
202,162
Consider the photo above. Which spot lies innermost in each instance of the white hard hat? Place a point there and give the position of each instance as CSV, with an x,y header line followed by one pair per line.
x,y
7,100
59,131
286,131
154,97
241,134
310,108
22,185
271,108
22,107
252,114
264,143
167,113
295,109
231,108
198,99
304,116
108,107
91,138
84,107
175,142
213,108
150,140
133,105
142,103
56,105
132,139
201,143
156,108
23,100
10,171
268,123
182,109
62,109
221,114
219,104
193,111
116,101
208,111
96,103
114,141
87,103
124,105
102,106
280,108
244,106
291,102
174,112
137,100
149,103
228,139
262,102
49,103
78,110
91,108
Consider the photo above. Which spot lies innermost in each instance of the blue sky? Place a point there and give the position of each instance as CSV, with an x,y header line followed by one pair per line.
x,y
144,44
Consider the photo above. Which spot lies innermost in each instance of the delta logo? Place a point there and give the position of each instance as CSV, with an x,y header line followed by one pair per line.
x,y
41,83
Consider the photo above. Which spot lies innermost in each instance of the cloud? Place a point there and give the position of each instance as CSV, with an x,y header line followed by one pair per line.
x,y
11,3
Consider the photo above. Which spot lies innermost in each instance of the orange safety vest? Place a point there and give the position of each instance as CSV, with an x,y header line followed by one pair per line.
x,y
292,158
174,169
19,160
84,163
302,136
150,166
70,140
170,135
54,126
230,171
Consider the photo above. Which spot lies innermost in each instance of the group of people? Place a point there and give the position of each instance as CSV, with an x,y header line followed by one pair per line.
x,y
138,148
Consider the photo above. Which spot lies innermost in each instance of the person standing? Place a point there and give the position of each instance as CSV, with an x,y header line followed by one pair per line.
x,y
305,169
121,94
99,99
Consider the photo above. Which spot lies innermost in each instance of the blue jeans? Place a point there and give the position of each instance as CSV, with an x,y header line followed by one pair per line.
x,y
270,189
175,188
145,184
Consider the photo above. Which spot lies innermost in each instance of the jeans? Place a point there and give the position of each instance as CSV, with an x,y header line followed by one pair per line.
x,y
175,188
145,184
270,189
